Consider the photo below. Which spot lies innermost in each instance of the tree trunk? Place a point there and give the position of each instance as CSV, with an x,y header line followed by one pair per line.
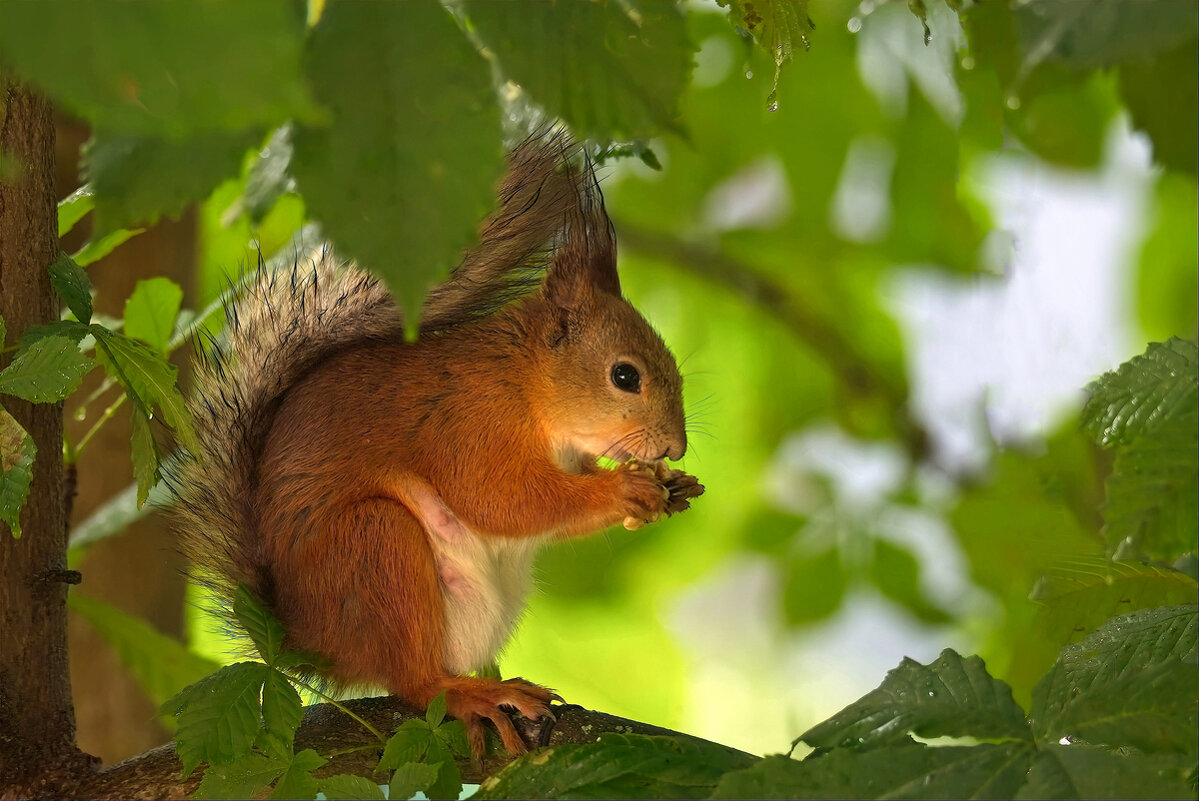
x,y
37,720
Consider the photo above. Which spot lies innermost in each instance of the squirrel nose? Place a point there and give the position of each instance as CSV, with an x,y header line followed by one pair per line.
x,y
675,450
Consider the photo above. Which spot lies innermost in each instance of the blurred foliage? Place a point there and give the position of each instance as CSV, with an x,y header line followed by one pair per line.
x,y
794,183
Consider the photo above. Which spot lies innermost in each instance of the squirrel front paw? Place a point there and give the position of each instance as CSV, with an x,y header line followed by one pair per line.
x,y
652,490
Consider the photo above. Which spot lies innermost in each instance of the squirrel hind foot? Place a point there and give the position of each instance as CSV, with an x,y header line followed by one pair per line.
x,y
474,700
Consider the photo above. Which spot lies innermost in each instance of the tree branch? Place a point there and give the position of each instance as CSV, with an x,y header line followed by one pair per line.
x,y
155,774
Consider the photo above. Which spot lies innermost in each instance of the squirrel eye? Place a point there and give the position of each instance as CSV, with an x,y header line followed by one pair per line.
x,y
626,377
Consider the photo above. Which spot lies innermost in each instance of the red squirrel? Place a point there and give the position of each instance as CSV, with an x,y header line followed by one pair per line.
x,y
386,498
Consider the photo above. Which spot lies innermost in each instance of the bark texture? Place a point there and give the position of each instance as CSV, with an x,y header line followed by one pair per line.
x,y
37,721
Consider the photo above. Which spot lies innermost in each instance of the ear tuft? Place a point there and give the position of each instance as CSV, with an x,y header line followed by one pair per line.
x,y
585,260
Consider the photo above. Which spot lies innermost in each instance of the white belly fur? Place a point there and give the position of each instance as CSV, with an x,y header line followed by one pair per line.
x,y
485,581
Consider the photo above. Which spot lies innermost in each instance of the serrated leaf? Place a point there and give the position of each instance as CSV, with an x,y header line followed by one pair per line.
x,y
410,743
148,379
161,664
218,716
1079,596
410,779
1135,682
268,178
344,786
73,286
242,778
98,248
73,207
448,783
609,71
408,164
48,370
143,450
71,329
1143,392
298,781
151,310
435,713
262,626
618,766
146,67
453,734
1083,771
138,179
17,452
1152,504
778,27
900,769
952,697
281,713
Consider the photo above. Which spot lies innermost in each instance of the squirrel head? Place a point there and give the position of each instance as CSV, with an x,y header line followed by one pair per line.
x,y
612,388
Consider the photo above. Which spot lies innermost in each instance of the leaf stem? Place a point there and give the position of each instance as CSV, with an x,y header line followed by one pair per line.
x,y
104,418
337,704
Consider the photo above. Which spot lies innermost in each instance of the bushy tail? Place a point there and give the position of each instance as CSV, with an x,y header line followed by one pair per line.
x,y
283,322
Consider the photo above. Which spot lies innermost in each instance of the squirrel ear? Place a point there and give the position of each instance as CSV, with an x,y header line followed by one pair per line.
x,y
585,261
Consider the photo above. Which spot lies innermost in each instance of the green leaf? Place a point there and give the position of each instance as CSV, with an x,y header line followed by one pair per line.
x,y
148,68
1083,771
402,176
618,766
148,379
73,287
17,452
96,249
262,626
344,786
453,734
952,697
46,371
268,178
1153,492
71,329
448,783
242,778
777,27
813,585
609,71
410,743
218,716
73,207
896,574
1100,33
298,781
1079,596
901,769
281,713
1164,104
410,779
436,711
1142,393
161,664
151,310
138,179
1134,682
147,460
